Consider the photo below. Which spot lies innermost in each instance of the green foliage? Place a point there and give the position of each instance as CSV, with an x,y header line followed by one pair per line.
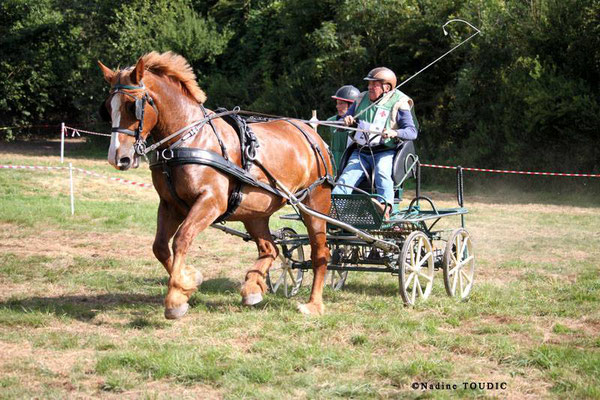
x,y
523,95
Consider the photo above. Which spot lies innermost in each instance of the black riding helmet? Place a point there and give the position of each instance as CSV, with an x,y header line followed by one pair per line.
x,y
346,93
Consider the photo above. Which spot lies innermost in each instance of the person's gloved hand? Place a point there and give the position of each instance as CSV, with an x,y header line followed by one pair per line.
x,y
389,133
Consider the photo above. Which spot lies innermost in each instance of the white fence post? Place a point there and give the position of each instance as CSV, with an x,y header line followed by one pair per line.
x,y
71,183
314,118
62,142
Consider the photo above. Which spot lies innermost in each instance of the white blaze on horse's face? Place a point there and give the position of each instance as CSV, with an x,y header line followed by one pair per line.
x,y
118,156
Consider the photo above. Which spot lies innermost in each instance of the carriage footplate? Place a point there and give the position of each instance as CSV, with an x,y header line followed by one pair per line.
x,y
357,210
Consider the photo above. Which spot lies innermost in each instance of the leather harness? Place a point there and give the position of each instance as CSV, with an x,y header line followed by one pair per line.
x,y
177,155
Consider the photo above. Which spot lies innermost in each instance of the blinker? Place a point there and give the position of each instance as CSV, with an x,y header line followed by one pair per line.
x,y
103,111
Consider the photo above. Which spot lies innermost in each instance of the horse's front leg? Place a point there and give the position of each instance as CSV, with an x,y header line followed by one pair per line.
x,y
184,279
167,222
254,285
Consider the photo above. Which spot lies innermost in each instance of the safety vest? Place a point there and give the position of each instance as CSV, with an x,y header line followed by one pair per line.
x,y
381,116
339,141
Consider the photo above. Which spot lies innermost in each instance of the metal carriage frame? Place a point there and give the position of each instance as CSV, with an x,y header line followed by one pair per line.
x,y
361,241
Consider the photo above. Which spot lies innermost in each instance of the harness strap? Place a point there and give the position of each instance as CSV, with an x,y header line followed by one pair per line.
x,y
212,125
314,146
188,155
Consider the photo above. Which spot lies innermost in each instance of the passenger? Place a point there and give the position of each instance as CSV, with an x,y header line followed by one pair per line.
x,y
339,140
386,110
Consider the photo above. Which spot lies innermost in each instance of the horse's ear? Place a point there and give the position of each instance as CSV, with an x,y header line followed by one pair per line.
x,y
138,72
108,73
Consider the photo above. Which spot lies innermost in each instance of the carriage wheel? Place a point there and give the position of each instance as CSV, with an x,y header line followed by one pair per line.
x,y
281,278
459,264
416,268
336,279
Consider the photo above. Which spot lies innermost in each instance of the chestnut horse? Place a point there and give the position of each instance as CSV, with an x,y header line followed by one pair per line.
x,y
158,97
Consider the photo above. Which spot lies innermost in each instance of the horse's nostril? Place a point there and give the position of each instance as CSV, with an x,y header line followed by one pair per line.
x,y
125,161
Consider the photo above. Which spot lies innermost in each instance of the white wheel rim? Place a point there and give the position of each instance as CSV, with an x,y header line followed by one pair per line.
x,y
282,273
418,268
460,264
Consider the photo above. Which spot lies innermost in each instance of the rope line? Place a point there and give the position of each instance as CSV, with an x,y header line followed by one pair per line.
x,y
77,131
501,171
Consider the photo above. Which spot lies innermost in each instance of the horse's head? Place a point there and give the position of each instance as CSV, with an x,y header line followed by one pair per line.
x,y
132,111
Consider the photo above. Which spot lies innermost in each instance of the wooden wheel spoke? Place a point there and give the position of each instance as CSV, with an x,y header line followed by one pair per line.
x,y
292,277
453,259
467,277
424,259
419,247
454,283
456,268
463,248
418,283
407,282
279,282
428,277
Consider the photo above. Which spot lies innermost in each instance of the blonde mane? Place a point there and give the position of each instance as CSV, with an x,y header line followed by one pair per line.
x,y
177,68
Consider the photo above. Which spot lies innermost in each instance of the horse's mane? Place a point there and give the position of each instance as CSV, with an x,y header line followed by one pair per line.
x,y
177,68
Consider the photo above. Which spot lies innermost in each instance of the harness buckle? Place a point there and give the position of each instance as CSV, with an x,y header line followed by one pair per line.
x,y
140,148
251,152
164,156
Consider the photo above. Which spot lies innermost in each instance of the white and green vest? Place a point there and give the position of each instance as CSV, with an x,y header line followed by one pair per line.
x,y
381,116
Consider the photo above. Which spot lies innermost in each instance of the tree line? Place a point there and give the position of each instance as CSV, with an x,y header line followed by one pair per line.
x,y
525,93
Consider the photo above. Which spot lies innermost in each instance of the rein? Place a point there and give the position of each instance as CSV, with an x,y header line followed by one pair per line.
x,y
187,128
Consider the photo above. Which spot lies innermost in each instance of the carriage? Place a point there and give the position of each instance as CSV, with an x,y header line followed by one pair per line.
x,y
360,240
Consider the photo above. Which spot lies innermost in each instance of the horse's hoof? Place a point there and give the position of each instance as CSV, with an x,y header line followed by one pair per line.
x,y
252,299
310,309
177,312
199,278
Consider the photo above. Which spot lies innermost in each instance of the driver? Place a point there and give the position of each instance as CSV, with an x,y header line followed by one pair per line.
x,y
382,109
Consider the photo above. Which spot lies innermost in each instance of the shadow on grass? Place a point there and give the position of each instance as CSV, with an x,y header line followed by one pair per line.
x,y
80,307
373,289
87,307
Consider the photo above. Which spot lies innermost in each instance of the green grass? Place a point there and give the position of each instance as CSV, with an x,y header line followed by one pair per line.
x,y
81,311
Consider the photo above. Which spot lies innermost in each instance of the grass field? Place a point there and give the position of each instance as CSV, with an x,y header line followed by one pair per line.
x,y
81,312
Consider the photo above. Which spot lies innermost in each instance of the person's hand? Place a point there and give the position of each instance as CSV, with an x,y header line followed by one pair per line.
x,y
349,120
389,133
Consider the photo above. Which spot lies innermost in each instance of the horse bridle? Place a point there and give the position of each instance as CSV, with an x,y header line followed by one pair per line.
x,y
140,108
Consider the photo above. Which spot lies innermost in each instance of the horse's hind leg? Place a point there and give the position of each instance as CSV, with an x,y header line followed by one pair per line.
x,y
254,285
319,200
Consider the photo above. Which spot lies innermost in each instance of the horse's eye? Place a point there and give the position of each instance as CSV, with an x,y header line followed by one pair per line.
x,y
131,108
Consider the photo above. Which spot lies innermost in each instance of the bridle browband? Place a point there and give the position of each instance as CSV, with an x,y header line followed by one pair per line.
x,y
140,108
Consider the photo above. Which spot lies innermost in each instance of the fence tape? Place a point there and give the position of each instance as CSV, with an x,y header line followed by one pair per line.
x,y
77,131
501,171
119,180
